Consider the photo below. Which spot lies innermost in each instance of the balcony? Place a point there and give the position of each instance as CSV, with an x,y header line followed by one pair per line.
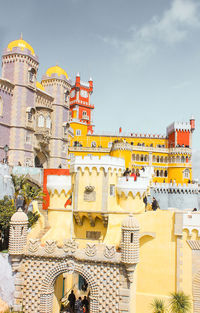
x,y
128,184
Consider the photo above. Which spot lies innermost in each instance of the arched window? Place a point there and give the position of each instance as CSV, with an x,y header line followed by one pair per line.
x,y
1,106
133,157
154,158
141,158
166,160
84,114
178,159
137,157
165,174
41,121
170,159
93,144
161,159
186,173
146,158
158,159
157,173
173,159
183,159
161,173
48,122
31,74
78,132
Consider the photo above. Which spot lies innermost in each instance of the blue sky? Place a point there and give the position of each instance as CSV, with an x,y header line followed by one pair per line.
x,y
144,56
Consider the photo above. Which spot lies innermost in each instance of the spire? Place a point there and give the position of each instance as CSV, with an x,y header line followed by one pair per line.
x,y
21,36
78,75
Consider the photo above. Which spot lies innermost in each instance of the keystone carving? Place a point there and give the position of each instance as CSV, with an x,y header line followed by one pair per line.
x,y
50,246
70,246
91,249
33,245
109,252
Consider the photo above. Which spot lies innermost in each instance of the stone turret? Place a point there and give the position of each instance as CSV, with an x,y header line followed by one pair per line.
x,y
130,244
18,232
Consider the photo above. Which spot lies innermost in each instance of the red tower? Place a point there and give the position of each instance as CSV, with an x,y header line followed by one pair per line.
x,y
80,106
179,134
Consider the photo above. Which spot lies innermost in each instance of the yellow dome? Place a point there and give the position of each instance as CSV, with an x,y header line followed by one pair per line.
x,y
22,44
56,70
39,86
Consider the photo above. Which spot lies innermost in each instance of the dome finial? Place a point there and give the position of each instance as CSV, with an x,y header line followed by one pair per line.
x,y
21,36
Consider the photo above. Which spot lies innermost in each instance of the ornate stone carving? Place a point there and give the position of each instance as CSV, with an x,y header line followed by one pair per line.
x,y
89,193
70,246
71,267
90,249
50,246
33,245
89,189
109,252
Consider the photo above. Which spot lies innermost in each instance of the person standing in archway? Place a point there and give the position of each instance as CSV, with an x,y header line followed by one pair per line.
x,y
72,300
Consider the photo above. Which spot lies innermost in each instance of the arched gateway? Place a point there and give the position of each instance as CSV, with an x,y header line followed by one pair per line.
x,y
47,290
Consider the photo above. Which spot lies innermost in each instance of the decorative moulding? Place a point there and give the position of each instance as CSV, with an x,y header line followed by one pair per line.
x,y
94,162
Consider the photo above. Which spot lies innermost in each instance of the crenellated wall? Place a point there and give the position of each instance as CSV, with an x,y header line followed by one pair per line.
x,y
182,197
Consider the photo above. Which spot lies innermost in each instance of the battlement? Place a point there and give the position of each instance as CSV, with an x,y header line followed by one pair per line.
x,y
176,126
58,183
175,188
90,162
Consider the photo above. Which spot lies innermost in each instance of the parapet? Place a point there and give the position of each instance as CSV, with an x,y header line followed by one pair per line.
x,y
58,183
175,188
183,126
94,162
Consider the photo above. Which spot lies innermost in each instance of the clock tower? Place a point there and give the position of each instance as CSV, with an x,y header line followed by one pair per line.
x,y
80,106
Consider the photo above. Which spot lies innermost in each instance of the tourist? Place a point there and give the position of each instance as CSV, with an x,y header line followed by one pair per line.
x,y
78,306
85,304
137,172
145,201
126,173
72,300
155,205
133,174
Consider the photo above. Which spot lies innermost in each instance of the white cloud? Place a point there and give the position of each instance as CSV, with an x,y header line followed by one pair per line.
x,y
172,27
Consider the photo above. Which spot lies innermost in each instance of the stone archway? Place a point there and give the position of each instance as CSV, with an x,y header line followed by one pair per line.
x,y
41,160
196,292
47,290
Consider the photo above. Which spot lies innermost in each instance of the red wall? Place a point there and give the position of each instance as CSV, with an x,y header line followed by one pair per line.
x,y
55,171
172,140
183,138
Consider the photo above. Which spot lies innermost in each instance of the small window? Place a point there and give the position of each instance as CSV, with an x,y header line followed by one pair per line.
x,y
78,132
95,235
30,116
186,174
133,157
41,121
158,159
32,73
93,144
66,95
137,157
157,173
131,237
28,137
142,158
48,122
112,190
165,173
1,106
28,162
84,114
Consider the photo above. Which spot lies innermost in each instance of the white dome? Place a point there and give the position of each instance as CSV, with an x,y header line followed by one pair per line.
x,y
19,216
130,223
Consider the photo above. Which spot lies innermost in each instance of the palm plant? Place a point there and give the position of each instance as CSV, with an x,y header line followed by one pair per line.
x,y
158,306
180,302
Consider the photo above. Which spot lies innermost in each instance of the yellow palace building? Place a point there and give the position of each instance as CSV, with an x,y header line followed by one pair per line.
x,y
169,155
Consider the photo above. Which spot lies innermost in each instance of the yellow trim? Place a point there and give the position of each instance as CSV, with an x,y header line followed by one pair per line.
x,y
22,44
